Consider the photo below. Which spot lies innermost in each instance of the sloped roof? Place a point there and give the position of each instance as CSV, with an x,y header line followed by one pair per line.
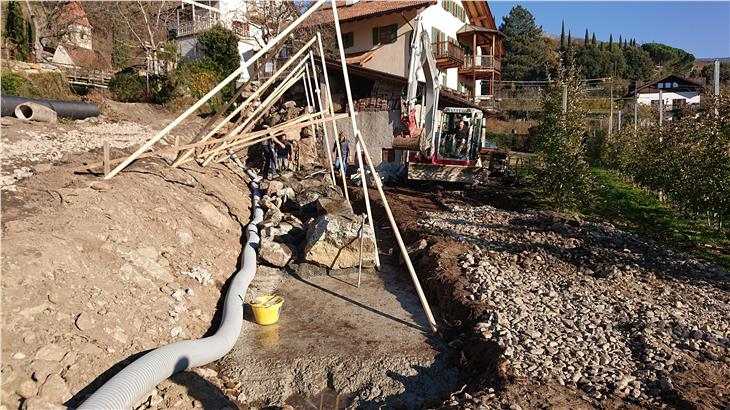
x,y
479,13
87,58
365,9
682,82
73,13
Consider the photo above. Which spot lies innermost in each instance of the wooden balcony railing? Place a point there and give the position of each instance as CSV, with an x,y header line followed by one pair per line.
x,y
483,63
448,53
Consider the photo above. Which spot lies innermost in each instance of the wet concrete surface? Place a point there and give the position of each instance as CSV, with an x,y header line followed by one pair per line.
x,y
365,347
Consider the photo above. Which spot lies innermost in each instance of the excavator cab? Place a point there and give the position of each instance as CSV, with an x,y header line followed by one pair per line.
x,y
458,137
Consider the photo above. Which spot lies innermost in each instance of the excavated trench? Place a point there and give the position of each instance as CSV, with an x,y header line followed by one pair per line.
x,y
338,346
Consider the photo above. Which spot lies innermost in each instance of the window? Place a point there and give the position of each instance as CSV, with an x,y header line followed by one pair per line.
x,y
455,9
660,85
348,39
385,34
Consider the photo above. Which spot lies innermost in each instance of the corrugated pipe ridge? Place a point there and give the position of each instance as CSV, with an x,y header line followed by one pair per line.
x,y
136,380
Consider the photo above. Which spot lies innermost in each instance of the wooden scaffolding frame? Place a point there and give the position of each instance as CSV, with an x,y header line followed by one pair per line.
x,y
240,136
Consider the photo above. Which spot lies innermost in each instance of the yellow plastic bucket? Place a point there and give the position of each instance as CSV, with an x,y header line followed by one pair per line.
x,y
267,308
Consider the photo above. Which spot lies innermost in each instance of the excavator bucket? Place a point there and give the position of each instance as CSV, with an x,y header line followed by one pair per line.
x,y
446,173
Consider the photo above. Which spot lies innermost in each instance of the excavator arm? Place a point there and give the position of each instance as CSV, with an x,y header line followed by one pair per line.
x,y
418,118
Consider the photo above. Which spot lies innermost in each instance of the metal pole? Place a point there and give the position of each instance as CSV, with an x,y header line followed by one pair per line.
x,y
610,117
636,112
619,121
717,88
362,239
324,126
332,113
565,99
661,111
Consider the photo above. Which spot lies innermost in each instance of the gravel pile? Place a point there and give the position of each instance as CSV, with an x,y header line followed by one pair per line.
x,y
586,305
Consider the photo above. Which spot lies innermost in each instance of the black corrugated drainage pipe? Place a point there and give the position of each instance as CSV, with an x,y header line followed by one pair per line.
x,y
77,110
133,382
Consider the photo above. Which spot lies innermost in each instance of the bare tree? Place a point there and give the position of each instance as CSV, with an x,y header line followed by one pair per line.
x,y
147,22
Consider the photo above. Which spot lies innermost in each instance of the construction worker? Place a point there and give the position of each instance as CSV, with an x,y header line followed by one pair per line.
x,y
345,148
283,154
269,149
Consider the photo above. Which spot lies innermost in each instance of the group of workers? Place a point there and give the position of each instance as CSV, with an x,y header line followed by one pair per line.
x,y
278,155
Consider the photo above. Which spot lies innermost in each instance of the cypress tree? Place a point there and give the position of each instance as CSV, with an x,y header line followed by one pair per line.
x,y
570,40
620,40
585,40
624,44
562,35
17,31
593,40
610,42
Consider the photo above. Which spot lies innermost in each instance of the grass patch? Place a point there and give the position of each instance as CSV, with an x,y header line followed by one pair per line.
x,y
628,208
631,209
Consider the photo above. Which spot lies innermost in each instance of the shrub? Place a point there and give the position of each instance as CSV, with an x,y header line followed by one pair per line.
x,y
15,84
128,87
560,166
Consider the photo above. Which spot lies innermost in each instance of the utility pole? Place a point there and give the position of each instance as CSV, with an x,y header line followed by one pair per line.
x,y
636,112
717,87
661,112
610,115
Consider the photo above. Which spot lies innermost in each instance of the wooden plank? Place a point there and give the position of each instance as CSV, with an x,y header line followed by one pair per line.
x,y
248,100
171,150
107,166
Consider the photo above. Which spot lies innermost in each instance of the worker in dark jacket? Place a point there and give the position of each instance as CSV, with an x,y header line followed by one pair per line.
x,y
269,149
345,148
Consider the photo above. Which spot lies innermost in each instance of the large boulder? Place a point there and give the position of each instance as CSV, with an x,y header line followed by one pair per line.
x,y
275,253
334,206
333,241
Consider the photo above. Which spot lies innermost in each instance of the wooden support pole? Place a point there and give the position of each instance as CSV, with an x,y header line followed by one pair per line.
x,y
250,121
355,130
324,126
248,100
310,97
398,238
171,150
107,166
152,141
332,113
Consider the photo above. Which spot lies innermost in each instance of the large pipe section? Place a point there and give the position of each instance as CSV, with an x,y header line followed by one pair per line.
x,y
77,110
131,384
35,112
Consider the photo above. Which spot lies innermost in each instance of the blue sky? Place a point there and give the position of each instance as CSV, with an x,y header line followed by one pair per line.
x,y
700,27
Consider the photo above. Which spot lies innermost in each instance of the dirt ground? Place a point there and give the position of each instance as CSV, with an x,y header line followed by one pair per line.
x,y
95,272
701,385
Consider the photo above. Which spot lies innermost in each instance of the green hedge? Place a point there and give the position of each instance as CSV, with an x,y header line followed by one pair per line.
x,y
128,87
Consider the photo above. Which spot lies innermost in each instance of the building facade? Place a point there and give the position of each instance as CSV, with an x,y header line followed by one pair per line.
x,y
464,39
194,17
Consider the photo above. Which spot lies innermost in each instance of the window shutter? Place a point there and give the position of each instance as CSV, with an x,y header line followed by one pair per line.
x,y
393,33
376,36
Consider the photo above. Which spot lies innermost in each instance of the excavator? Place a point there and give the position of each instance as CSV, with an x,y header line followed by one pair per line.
x,y
440,146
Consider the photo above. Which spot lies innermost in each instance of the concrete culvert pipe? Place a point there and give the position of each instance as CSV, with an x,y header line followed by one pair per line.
x,y
35,112
77,110
132,383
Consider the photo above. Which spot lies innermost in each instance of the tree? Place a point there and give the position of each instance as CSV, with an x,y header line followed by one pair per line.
x,y
562,35
593,40
18,31
585,39
561,168
147,24
620,41
638,64
120,53
708,72
593,62
610,42
570,40
525,51
673,60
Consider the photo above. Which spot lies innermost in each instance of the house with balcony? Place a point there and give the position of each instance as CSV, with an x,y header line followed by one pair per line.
x,y
675,92
465,41
194,17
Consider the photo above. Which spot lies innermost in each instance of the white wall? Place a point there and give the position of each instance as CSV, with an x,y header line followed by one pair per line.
x,y
692,97
436,16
